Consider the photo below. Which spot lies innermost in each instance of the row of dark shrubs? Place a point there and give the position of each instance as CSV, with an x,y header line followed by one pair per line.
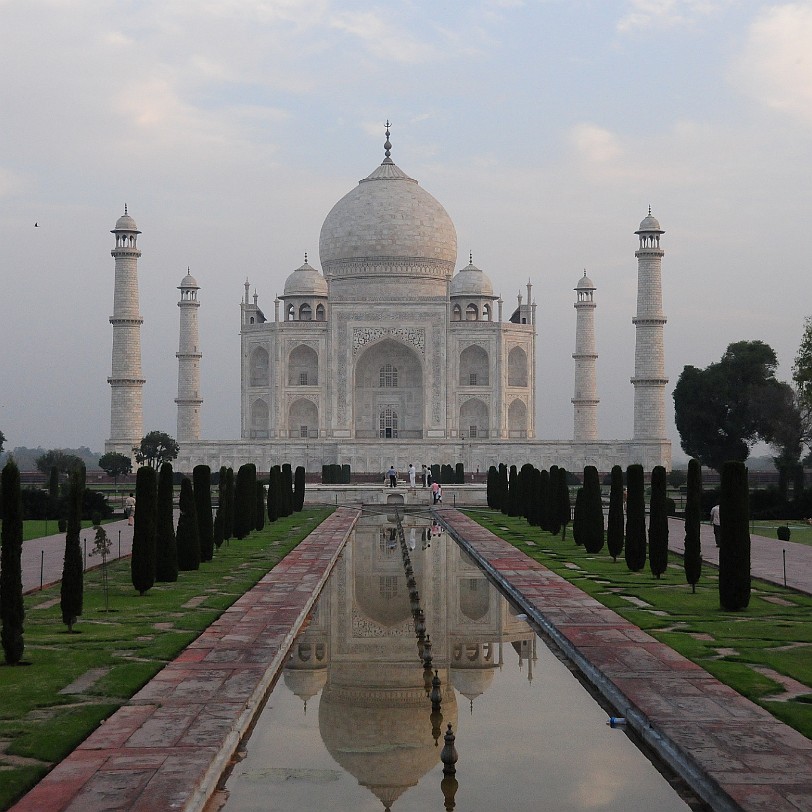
x,y
335,474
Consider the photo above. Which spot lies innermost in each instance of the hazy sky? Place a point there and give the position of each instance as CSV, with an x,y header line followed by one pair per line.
x,y
545,128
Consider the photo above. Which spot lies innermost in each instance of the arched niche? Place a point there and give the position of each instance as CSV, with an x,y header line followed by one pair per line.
x,y
517,367
474,419
517,419
474,367
303,366
259,367
303,419
388,376
259,418
474,597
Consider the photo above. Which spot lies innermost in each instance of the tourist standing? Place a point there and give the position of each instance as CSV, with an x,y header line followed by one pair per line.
x,y
393,476
412,475
423,474
129,509
717,525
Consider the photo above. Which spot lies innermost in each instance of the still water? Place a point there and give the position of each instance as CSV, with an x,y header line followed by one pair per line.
x,y
349,725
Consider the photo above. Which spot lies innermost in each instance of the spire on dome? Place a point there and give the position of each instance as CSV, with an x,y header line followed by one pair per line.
x,y
649,209
125,208
305,257
387,146
470,257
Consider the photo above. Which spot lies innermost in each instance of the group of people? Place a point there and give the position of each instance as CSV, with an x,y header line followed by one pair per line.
x,y
426,477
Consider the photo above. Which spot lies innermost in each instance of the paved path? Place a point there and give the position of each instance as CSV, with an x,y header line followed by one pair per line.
x,y
733,753
169,745
43,557
766,558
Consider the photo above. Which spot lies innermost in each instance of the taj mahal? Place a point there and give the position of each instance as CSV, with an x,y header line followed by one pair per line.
x,y
389,354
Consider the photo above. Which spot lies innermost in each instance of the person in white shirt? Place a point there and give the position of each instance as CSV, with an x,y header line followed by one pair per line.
x,y
717,527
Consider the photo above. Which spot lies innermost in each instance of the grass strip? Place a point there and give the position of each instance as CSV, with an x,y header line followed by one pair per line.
x,y
726,644
37,528
129,643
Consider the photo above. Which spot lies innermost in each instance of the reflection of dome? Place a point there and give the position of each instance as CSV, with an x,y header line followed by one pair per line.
x,y
649,223
305,281
126,223
471,281
382,737
305,683
387,219
472,682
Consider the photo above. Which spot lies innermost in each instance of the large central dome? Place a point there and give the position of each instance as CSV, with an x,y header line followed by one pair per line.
x,y
388,225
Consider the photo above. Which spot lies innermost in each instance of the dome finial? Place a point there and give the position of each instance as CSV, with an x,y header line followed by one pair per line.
x,y
470,257
649,209
305,257
387,145
125,208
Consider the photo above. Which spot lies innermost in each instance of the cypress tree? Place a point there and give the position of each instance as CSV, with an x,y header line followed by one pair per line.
x,y
592,525
459,474
614,524
12,609
187,535
491,486
544,500
553,516
260,508
578,518
525,491
244,499
535,487
513,493
274,492
734,547
658,523
563,502
635,551
201,485
298,488
166,549
219,516
145,531
287,490
228,516
435,473
692,559
72,588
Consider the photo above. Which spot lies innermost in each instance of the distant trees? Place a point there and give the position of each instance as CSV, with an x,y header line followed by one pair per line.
x,y
156,448
59,459
12,609
658,523
734,547
166,549
72,587
2,441
115,465
187,536
614,524
692,558
145,531
201,483
635,549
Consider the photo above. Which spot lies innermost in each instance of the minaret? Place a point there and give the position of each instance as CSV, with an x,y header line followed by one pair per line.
x,y
189,356
585,400
126,381
649,358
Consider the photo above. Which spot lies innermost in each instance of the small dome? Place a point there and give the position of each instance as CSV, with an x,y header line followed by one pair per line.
x,y
126,223
585,283
189,281
649,223
471,281
305,281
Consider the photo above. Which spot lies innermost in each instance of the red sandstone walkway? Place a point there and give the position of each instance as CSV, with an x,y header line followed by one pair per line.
x,y
733,753
168,746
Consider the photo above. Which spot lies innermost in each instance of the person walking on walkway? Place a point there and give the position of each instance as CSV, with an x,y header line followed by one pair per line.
x,y
423,474
129,509
714,514
393,476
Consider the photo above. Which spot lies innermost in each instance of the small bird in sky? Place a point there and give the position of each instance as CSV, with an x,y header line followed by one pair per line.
x,y
36,225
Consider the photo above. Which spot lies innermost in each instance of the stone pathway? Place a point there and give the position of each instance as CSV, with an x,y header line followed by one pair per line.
x,y
169,745
734,754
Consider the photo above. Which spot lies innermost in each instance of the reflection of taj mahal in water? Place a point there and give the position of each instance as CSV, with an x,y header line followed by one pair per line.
x,y
389,355
360,651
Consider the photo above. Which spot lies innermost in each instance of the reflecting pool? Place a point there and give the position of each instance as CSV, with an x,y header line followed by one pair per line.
x,y
350,726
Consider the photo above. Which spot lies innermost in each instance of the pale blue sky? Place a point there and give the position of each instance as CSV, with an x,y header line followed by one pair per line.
x,y
545,128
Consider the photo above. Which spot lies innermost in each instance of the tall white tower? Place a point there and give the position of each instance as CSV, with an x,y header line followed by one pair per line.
x,y
126,381
649,357
188,355
585,400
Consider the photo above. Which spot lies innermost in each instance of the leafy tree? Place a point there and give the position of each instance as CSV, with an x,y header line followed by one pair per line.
x,y
166,547
692,559
2,441
734,546
201,482
12,609
658,523
802,377
677,477
723,410
614,524
298,489
115,465
592,524
788,439
187,532
72,587
59,459
635,550
156,448
145,531
563,502
102,545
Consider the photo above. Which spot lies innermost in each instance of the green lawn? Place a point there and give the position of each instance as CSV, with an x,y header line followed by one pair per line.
x,y
37,528
800,532
132,641
774,631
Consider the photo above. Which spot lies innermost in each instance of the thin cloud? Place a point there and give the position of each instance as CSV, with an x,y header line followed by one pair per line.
x,y
644,14
382,39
